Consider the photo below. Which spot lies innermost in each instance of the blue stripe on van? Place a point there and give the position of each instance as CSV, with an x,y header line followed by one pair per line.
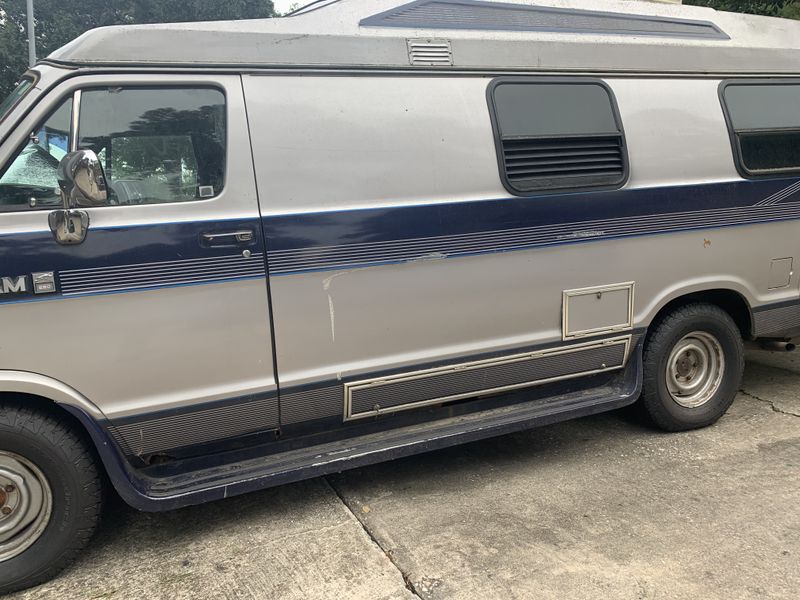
x,y
135,258
122,259
369,237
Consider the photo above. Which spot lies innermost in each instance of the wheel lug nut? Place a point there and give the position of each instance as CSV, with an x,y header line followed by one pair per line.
x,y
6,510
10,488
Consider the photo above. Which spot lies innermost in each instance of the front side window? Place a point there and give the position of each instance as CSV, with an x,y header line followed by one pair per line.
x,y
557,135
156,145
29,181
764,120
25,84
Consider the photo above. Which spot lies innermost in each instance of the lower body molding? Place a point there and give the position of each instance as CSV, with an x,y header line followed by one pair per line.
x,y
141,435
779,320
384,394
406,391
195,480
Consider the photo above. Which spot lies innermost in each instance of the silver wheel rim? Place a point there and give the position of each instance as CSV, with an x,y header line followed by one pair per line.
x,y
695,369
26,503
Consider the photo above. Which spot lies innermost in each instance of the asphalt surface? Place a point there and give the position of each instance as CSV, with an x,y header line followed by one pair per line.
x,y
601,507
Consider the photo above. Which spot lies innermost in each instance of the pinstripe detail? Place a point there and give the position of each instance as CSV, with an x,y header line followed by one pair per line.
x,y
781,195
373,253
149,275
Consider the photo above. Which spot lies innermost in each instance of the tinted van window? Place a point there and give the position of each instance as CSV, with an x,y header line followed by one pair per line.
x,y
764,120
157,145
557,136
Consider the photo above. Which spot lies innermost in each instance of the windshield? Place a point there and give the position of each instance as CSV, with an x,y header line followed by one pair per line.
x,y
22,88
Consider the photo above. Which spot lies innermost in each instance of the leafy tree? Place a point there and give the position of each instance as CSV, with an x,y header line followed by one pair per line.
x,y
791,10
772,8
59,21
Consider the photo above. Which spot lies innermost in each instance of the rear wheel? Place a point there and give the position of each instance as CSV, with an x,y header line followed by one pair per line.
x,y
693,364
50,496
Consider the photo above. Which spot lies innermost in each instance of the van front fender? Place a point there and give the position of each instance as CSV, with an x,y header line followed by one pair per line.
x,y
92,419
25,382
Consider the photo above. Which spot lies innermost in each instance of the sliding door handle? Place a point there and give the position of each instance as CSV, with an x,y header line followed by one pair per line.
x,y
240,237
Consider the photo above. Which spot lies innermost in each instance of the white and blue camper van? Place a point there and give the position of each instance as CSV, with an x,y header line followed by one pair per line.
x,y
235,255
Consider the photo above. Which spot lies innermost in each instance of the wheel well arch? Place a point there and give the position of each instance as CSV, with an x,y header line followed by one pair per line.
x,y
115,469
49,407
732,302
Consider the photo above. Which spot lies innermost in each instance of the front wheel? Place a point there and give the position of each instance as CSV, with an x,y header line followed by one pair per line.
x,y
50,496
693,364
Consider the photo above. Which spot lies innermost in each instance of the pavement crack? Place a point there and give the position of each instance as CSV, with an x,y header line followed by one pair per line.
x,y
770,403
406,576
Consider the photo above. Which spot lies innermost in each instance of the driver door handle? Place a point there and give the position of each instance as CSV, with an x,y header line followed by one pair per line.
x,y
240,237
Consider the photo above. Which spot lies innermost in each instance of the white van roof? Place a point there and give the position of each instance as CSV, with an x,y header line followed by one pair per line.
x,y
604,36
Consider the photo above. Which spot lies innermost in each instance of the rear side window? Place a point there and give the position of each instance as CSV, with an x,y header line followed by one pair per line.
x,y
764,123
157,145
557,135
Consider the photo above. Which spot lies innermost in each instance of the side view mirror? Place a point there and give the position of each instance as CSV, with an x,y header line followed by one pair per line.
x,y
82,181
83,184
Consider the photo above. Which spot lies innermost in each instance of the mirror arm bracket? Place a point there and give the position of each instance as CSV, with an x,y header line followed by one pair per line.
x,y
69,226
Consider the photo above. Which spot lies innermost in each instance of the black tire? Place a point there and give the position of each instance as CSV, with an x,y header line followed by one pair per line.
x,y
662,409
71,470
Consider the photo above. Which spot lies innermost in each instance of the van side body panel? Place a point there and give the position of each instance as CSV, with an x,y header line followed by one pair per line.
x,y
393,245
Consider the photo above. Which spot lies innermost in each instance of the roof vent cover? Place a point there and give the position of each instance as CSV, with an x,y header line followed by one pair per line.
x,y
499,16
430,53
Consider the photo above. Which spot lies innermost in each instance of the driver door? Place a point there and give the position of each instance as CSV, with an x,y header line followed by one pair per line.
x,y
159,317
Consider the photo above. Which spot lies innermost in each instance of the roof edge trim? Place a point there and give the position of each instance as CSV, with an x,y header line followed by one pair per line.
x,y
506,16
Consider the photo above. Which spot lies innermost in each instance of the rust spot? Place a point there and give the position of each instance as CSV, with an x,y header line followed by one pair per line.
x,y
706,243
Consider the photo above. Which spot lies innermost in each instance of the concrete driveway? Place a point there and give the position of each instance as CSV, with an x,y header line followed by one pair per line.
x,y
596,508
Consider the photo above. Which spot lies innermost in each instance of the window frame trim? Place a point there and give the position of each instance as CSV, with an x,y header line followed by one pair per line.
x,y
539,80
733,135
34,78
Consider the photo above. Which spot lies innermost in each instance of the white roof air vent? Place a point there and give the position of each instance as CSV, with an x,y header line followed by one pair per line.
x,y
430,53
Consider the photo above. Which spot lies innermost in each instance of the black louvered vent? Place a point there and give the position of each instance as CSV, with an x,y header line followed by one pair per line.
x,y
553,163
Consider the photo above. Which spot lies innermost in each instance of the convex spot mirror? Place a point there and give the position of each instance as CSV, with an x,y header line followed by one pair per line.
x,y
82,181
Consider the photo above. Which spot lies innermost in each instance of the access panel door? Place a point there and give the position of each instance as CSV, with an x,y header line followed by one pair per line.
x,y
160,316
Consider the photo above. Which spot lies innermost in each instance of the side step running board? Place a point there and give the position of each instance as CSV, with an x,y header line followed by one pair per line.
x,y
183,489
